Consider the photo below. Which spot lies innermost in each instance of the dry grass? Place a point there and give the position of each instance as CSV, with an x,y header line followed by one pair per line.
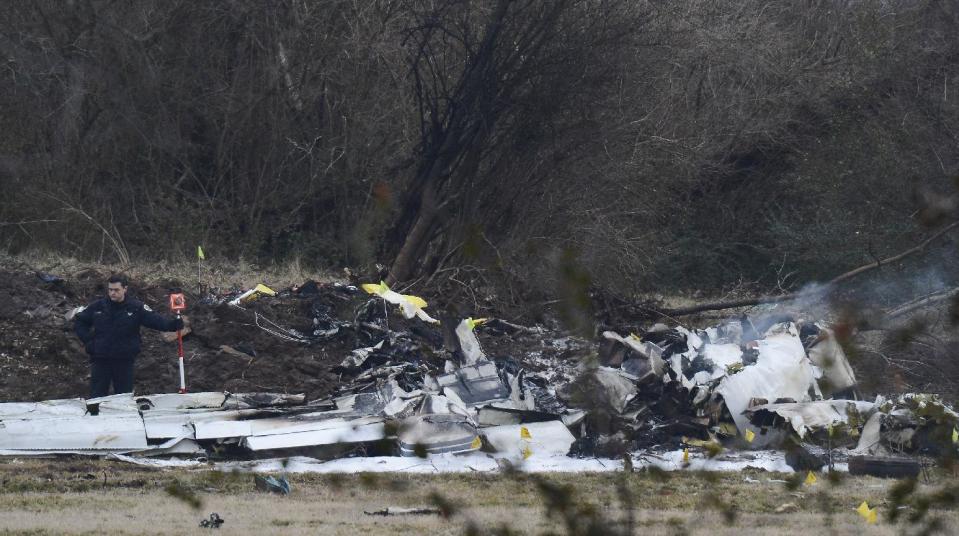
x,y
220,273
100,497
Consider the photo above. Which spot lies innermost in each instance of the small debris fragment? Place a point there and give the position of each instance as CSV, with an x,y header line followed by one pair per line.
x,y
806,457
787,508
884,466
397,511
213,522
272,484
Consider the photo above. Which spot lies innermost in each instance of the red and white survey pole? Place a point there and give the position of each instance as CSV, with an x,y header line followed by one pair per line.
x,y
178,304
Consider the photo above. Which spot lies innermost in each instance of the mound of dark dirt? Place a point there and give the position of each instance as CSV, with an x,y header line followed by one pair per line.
x,y
295,342
256,348
229,349
40,357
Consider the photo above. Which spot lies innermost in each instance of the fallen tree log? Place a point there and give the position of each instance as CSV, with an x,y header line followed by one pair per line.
x,y
919,303
896,258
827,287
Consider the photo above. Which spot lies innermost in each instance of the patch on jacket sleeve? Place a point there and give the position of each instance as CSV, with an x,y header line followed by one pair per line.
x,y
147,308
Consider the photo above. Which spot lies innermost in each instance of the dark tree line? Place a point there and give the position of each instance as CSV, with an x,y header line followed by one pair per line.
x,y
653,143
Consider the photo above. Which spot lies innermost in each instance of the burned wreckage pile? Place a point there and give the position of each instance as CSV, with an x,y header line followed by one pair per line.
x,y
432,389
779,384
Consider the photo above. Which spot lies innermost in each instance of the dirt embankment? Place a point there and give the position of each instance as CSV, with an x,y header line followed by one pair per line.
x,y
41,358
242,350
231,349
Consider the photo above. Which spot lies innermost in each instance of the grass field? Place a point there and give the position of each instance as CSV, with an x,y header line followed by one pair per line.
x,y
101,497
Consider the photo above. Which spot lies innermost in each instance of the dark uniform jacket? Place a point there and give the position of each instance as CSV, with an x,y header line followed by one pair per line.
x,y
111,330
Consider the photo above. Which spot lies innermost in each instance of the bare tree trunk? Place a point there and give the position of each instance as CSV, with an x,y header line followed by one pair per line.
x,y
416,240
447,142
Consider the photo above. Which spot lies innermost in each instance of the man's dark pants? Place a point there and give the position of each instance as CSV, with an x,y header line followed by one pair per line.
x,y
103,372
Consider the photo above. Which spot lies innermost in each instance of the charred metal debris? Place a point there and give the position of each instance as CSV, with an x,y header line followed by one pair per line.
x,y
416,386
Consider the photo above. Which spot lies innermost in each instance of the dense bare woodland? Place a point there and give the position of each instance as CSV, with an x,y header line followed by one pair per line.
x,y
657,145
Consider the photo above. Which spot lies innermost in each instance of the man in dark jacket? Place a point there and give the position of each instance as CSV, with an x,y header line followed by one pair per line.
x,y
110,331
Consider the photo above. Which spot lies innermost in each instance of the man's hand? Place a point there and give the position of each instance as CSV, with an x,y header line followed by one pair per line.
x,y
170,336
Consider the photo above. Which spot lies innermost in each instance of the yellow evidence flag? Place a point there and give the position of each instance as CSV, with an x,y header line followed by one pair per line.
x,y
869,514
